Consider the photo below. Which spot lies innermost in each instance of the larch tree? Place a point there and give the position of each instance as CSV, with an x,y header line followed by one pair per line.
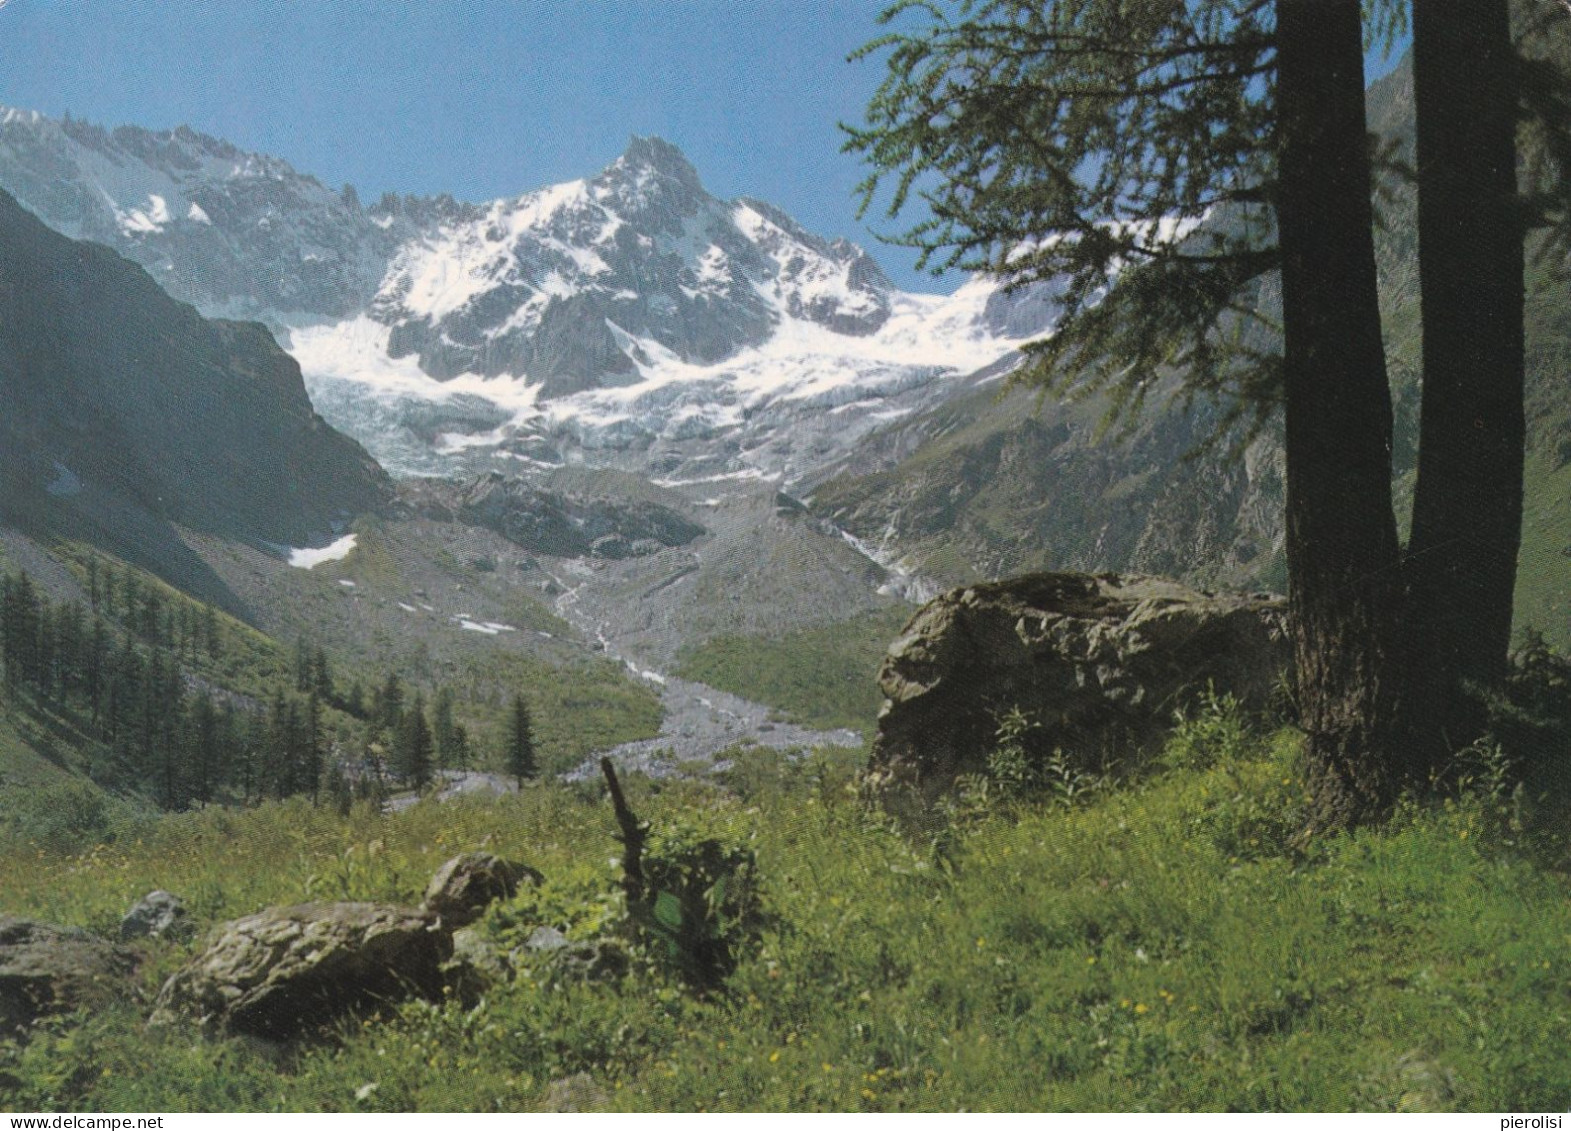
x,y
1461,559
1171,167
413,744
1342,555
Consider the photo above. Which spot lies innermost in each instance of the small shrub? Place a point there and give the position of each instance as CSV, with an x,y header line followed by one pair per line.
x,y
700,905
1532,721
1017,769
1213,732
1253,794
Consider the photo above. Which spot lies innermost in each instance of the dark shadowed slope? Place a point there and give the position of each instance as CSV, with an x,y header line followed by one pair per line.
x,y
123,411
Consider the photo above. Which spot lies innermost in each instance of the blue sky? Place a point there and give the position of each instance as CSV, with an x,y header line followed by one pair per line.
x,y
479,98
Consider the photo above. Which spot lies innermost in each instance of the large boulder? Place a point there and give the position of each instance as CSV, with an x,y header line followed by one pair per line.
x,y
46,969
283,970
466,885
1098,663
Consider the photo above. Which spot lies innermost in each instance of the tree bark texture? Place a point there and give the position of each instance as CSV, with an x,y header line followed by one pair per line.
x,y
1467,510
1343,560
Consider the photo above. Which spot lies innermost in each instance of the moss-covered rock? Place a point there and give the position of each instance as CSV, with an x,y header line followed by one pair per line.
x,y
1098,663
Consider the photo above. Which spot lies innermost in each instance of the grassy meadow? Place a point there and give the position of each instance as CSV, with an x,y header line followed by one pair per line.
x,y
1158,944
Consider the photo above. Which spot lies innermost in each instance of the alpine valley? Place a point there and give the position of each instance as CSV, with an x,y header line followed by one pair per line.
x,y
610,647
616,424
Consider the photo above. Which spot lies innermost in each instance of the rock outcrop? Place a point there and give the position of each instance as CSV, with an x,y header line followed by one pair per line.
x,y
548,522
466,885
158,914
46,969
283,970
1098,663
476,965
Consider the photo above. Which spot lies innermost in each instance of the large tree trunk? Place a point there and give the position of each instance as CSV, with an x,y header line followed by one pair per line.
x,y
1467,510
1343,568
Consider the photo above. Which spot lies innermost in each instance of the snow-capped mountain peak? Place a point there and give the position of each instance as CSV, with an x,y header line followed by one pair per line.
x,y
540,286
235,233
628,317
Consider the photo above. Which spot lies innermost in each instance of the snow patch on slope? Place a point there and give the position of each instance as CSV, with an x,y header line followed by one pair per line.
x,y
308,558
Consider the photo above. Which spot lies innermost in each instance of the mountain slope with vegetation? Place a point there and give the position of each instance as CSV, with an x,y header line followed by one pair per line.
x,y
124,414
993,484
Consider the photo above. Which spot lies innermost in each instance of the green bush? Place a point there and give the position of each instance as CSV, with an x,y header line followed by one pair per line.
x,y
67,816
1213,732
1019,770
700,904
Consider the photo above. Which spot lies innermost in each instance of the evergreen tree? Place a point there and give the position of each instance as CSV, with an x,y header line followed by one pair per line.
x,y
277,770
1158,163
321,675
95,662
210,634
390,704
313,751
302,665
109,590
20,613
151,620
204,748
519,755
414,747
444,730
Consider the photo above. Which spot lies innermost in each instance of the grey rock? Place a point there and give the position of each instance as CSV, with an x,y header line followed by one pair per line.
x,y
476,965
612,546
158,914
1099,662
466,885
545,939
590,960
45,969
282,970
549,522
576,1093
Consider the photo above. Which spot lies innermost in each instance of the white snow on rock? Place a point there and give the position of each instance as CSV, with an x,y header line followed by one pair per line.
x,y
151,218
487,628
309,558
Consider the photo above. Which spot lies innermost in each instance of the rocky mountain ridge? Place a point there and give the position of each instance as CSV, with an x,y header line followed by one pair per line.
x,y
629,319
124,412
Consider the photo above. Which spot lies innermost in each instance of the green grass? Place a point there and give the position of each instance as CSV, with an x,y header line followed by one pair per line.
x,y
1157,948
577,709
817,677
